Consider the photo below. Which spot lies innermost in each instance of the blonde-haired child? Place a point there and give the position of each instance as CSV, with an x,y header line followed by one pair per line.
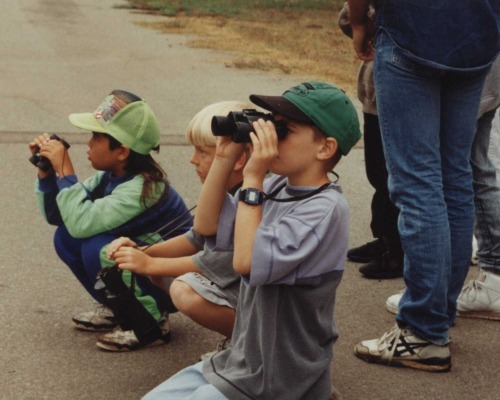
x,y
206,288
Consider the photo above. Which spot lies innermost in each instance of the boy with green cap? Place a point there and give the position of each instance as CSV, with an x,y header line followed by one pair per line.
x,y
290,235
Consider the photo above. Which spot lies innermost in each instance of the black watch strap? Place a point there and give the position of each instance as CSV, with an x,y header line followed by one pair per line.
x,y
251,196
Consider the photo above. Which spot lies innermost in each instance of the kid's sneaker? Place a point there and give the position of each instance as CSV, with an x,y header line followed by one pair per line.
x,y
401,348
120,340
98,320
480,298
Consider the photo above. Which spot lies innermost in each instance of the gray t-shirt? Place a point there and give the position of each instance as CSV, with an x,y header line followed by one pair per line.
x,y
216,265
284,331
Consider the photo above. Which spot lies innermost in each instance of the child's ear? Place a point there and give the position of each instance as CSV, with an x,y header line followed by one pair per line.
x,y
328,148
123,152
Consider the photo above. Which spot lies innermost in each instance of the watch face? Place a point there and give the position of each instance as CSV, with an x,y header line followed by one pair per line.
x,y
251,196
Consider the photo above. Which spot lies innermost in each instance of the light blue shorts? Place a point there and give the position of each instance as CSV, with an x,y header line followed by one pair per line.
x,y
187,384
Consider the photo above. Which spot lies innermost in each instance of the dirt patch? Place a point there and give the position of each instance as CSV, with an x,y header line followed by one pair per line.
x,y
309,44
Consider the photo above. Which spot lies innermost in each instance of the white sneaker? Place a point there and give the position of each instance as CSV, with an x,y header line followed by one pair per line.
x,y
223,344
120,340
399,347
100,319
480,298
474,260
392,302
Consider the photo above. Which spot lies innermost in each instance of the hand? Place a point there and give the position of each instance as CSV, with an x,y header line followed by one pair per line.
x,y
228,149
133,259
264,150
117,243
362,38
36,144
57,154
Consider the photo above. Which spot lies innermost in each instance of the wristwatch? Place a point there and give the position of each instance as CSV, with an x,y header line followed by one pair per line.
x,y
251,196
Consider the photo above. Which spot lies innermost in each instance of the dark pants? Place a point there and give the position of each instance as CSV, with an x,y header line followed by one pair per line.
x,y
384,214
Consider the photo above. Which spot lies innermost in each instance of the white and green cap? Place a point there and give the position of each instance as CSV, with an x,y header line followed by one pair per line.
x,y
125,117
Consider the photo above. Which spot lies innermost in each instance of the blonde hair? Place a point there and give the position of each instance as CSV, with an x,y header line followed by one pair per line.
x,y
199,130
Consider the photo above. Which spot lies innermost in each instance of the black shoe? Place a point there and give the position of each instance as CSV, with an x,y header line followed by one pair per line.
x,y
388,266
367,252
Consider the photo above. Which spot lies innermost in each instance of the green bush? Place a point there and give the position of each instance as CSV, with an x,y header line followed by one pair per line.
x,y
241,8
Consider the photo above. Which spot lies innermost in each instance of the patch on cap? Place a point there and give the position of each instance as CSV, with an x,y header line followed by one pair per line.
x,y
108,108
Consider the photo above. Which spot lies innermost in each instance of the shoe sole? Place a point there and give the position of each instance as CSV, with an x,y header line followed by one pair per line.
x,y
360,259
492,316
393,310
81,326
381,276
117,347
429,365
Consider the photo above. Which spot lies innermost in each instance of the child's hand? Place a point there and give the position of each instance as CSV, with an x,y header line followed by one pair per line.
x,y
117,243
36,144
56,153
228,149
132,259
264,150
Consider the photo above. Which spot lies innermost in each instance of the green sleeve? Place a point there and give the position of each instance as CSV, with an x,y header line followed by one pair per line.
x,y
85,218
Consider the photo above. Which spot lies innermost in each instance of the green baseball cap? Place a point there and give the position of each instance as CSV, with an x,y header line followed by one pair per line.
x,y
131,123
320,104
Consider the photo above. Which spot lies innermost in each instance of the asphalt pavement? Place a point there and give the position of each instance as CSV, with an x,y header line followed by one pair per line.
x,y
64,56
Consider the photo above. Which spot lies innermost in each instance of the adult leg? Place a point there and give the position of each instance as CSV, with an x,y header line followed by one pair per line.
x,y
486,195
460,96
408,99
384,213
376,173
430,183
422,110
389,263
480,298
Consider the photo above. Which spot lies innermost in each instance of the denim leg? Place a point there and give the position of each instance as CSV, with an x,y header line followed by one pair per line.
x,y
460,96
427,125
187,384
494,149
487,195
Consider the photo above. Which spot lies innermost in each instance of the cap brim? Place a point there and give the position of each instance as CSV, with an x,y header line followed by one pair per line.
x,y
280,105
86,121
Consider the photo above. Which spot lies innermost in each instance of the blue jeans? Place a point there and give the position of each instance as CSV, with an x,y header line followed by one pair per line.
x,y
486,196
428,118
187,384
